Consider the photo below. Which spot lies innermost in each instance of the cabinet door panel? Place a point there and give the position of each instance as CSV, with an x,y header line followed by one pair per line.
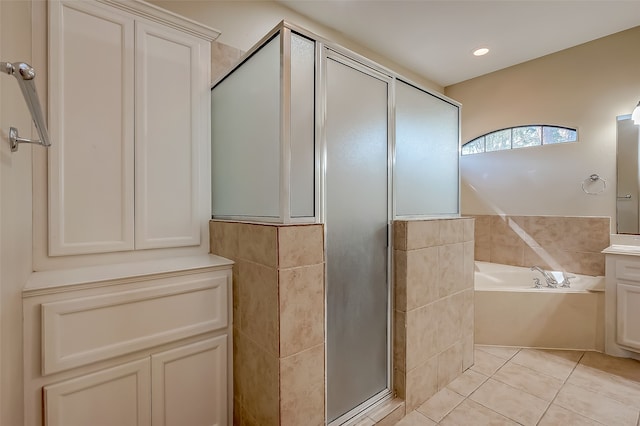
x,y
169,88
190,384
116,396
628,315
91,124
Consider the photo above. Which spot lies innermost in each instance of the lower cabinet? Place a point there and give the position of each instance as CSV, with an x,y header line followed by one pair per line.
x,y
628,318
130,345
181,386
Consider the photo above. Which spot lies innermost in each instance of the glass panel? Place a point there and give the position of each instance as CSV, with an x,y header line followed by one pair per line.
x,y
245,134
552,135
526,136
426,165
356,224
476,146
302,126
499,140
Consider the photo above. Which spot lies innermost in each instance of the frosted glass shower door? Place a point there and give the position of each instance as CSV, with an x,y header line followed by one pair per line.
x,y
356,218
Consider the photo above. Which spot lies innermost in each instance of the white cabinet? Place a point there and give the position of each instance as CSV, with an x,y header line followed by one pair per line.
x,y
622,301
181,386
115,396
140,344
189,384
129,107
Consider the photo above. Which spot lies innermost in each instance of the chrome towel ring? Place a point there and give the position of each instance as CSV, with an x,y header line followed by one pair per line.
x,y
590,181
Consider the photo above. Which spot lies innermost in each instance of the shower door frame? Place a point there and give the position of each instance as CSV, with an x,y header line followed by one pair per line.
x,y
324,53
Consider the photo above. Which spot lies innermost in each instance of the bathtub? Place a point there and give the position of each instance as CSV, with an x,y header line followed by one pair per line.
x,y
510,311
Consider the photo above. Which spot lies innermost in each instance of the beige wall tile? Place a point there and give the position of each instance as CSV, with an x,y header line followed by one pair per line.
x,y
422,284
450,269
400,383
482,252
482,238
448,319
463,303
223,57
556,259
506,231
421,383
590,234
451,231
449,365
421,332
400,279
223,238
302,388
258,374
258,243
301,294
469,265
422,233
300,245
399,340
469,229
400,235
507,254
467,351
258,304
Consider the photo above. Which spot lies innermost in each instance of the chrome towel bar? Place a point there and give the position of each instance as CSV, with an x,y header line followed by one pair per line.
x,y
25,75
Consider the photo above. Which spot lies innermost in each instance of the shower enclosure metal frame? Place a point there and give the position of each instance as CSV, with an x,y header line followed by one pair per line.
x,y
324,50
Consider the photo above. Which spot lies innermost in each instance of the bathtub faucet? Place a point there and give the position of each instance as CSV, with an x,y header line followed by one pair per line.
x,y
551,281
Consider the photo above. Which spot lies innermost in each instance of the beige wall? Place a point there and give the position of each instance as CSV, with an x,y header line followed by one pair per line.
x,y
585,87
15,208
244,23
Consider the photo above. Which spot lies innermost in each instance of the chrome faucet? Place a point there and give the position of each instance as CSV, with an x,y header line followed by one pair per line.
x,y
551,281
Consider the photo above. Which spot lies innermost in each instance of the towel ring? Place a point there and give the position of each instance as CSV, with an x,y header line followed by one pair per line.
x,y
592,179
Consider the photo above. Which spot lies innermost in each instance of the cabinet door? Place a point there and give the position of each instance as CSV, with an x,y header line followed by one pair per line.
x,y
116,396
189,384
91,123
171,130
628,315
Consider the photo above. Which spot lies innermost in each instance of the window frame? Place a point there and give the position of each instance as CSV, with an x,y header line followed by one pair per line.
x,y
541,127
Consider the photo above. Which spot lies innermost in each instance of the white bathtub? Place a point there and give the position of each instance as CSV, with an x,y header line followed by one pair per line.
x,y
510,311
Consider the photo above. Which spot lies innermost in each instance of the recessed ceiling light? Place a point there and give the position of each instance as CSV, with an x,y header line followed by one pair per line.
x,y
480,52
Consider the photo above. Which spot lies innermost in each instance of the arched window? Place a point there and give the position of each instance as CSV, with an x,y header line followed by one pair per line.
x,y
520,137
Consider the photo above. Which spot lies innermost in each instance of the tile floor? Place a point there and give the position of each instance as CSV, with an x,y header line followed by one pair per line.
x,y
512,386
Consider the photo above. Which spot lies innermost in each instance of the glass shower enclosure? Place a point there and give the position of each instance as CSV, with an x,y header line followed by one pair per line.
x,y
305,131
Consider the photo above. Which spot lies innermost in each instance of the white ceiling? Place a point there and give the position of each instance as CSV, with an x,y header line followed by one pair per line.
x,y
435,39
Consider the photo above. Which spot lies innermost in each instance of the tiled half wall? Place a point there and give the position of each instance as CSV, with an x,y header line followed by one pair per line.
x,y
278,315
572,244
278,298
433,315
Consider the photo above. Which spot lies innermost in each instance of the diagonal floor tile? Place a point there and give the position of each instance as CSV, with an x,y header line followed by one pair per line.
x,y
558,364
556,416
596,406
515,404
440,404
471,413
504,352
613,386
485,363
467,382
415,419
624,367
528,380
